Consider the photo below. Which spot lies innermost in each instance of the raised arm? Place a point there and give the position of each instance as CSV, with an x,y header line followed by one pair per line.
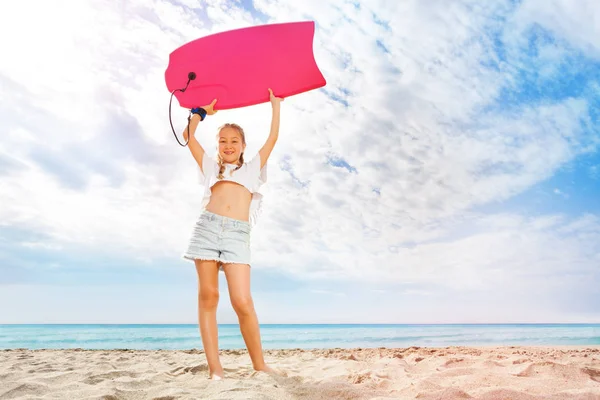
x,y
267,148
194,146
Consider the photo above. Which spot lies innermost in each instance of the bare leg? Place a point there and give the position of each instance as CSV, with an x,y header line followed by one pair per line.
x,y
208,299
238,282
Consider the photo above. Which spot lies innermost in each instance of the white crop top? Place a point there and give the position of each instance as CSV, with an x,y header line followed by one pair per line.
x,y
250,175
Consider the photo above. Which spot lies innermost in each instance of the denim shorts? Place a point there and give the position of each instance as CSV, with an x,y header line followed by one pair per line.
x,y
219,238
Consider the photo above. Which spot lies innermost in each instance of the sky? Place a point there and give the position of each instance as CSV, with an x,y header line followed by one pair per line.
x,y
449,171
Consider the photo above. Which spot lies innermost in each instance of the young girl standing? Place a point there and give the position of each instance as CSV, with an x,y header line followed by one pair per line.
x,y
221,237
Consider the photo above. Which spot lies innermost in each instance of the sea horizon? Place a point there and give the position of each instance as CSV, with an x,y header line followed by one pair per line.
x,y
287,336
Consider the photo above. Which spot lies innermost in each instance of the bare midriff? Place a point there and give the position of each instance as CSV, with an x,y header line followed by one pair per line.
x,y
230,199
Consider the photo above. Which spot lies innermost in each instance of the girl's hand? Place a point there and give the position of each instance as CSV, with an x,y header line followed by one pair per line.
x,y
274,100
209,108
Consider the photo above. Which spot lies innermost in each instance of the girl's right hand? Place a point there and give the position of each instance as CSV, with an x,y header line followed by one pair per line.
x,y
209,108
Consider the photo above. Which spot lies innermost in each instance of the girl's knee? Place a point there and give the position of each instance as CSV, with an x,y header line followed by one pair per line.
x,y
242,305
209,296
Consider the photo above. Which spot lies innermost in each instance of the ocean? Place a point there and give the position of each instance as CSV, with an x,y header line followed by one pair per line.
x,y
187,336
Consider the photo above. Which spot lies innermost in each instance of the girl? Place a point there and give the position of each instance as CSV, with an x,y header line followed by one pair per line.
x,y
221,237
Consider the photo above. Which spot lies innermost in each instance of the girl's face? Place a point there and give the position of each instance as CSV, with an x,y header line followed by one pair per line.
x,y
230,145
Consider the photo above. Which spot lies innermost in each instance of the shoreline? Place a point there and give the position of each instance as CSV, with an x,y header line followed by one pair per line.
x,y
337,349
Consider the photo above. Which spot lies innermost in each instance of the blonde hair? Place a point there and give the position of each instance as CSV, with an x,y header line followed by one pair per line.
x,y
241,159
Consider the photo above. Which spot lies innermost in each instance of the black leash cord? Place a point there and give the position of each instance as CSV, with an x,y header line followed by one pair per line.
x,y
191,77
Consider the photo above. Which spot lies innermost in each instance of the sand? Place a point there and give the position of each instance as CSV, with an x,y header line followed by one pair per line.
x,y
506,372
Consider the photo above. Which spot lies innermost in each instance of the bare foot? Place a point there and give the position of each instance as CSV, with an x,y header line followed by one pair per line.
x,y
216,376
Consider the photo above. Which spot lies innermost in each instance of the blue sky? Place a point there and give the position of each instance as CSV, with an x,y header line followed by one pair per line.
x,y
448,172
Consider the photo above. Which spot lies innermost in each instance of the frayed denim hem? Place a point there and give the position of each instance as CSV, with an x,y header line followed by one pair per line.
x,y
218,260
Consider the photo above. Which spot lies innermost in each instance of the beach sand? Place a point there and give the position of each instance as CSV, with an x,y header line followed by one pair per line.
x,y
494,372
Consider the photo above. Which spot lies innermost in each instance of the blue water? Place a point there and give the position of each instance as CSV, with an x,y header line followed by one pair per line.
x,y
150,337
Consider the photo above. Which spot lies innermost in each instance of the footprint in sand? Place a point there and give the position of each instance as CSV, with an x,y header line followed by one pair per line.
x,y
593,373
453,362
198,369
176,371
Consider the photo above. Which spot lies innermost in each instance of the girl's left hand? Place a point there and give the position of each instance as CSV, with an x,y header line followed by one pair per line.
x,y
274,100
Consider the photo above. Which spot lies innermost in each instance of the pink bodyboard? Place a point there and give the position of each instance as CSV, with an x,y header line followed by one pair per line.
x,y
237,67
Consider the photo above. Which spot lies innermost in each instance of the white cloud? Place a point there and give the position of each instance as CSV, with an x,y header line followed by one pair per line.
x,y
85,119
575,25
561,193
